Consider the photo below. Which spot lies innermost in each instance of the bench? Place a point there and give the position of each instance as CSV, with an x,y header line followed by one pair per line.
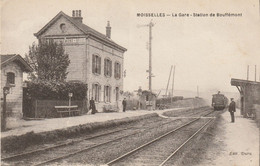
x,y
110,108
67,109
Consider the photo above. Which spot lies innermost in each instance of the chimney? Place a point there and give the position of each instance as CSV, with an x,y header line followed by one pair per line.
x,y
76,15
108,30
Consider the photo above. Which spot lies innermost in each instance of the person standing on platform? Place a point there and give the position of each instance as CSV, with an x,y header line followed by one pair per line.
x,y
124,104
92,106
232,110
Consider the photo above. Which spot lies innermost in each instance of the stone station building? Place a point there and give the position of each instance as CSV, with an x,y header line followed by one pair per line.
x,y
95,59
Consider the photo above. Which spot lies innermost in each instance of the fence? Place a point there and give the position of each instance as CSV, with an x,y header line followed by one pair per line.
x,y
45,108
168,100
133,104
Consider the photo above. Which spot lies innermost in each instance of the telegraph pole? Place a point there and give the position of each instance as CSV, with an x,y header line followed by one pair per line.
x,y
168,82
150,25
150,55
173,80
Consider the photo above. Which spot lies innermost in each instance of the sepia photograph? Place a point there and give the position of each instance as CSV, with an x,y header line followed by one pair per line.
x,y
130,83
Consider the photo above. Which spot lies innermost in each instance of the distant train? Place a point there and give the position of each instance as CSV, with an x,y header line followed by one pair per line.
x,y
219,101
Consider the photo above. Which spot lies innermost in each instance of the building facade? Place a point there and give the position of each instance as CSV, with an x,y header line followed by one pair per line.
x,y
94,58
12,68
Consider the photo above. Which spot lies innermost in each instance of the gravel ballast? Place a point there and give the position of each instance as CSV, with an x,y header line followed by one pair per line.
x,y
14,143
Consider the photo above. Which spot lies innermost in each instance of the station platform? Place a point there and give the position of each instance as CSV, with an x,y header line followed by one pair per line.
x,y
236,145
21,127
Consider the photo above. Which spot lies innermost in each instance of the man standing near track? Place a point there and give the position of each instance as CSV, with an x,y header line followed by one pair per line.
x,y
92,106
232,110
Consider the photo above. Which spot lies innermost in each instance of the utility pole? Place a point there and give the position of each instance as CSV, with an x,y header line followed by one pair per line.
x,y
173,82
255,73
150,55
150,25
168,81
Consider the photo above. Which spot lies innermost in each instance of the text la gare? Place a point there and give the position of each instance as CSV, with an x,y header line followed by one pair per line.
x,y
193,15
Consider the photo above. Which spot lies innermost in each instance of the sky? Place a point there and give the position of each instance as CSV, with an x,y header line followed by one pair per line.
x,y
207,51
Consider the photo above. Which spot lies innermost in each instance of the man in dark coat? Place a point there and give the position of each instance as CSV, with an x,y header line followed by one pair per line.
x,y
232,110
124,104
92,106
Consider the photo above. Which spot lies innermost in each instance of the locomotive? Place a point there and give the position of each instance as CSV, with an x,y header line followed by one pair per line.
x,y
219,101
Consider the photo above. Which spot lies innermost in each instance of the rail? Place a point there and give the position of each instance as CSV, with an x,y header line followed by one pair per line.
x,y
154,140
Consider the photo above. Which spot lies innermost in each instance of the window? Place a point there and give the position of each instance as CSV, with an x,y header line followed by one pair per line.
x,y
96,64
108,67
117,93
107,93
117,70
10,78
96,91
63,27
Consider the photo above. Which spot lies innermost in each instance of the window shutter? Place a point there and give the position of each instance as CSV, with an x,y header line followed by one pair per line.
x,y
105,64
115,70
99,65
93,90
110,68
93,63
99,92
119,73
104,93
110,94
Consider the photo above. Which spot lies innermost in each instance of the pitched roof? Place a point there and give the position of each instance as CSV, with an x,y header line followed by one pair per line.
x,y
84,28
5,59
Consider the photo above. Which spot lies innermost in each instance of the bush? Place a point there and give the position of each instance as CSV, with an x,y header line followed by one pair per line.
x,y
47,90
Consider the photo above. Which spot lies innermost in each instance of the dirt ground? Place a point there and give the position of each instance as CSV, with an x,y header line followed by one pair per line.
x,y
235,144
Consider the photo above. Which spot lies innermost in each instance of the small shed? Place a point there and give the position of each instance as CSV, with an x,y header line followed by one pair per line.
x,y
249,94
12,68
148,100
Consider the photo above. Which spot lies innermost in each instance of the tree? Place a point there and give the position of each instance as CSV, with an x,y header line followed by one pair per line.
x,y
128,94
48,60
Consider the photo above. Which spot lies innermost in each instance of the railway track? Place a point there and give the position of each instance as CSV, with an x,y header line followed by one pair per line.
x,y
85,146
59,145
189,113
89,145
157,151
74,140
184,143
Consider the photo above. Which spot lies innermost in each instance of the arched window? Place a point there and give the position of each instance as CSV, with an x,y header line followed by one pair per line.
x,y
63,27
117,70
107,67
107,93
10,78
96,88
96,64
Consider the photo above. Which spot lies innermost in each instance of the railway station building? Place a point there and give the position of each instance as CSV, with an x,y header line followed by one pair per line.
x,y
249,96
95,59
12,68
